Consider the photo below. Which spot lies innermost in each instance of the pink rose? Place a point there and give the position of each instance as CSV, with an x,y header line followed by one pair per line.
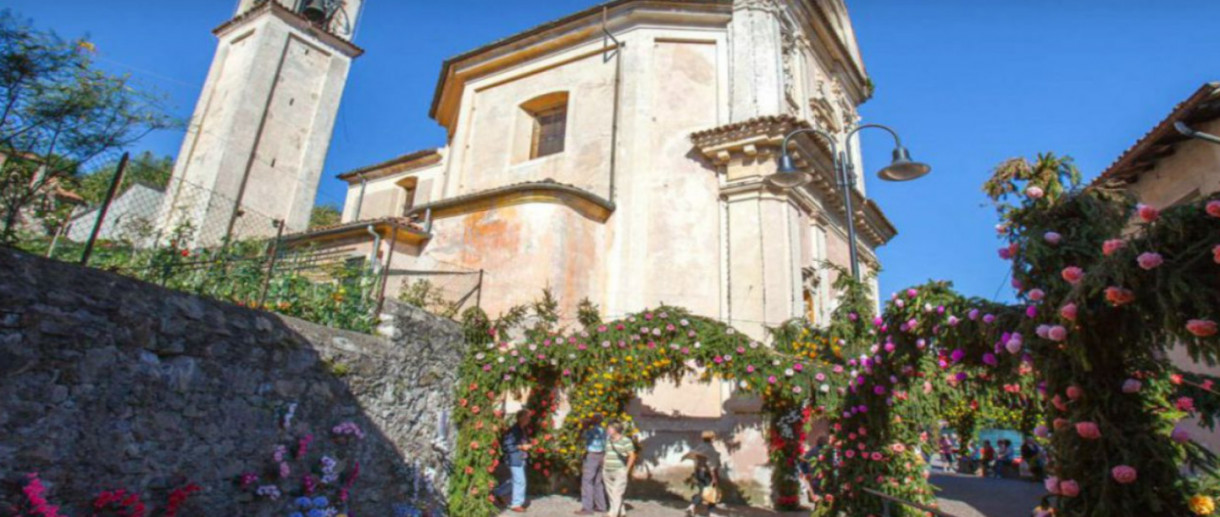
x,y
1052,484
1132,386
1069,488
1088,430
1213,208
1074,392
1201,328
1186,404
1052,238
1068,312
1057,333
1149,260
1072,274
1123,474
1035,192
1216,254
1059,404
1037,294
1109,247
1147,213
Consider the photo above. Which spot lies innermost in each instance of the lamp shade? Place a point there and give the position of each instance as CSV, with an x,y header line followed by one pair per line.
x,y
788,176
902,168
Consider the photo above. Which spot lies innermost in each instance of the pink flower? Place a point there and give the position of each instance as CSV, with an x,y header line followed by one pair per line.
x,y
1074,392
1201,328
1180,435
1052,238
771,379
1041,431
1035,192
877,456
1068,312
1059,424
1088,430
1123,474
1072,274
1132,386
898,448
1052,484
1186,404
1216,254
1147,213
1213,208
1057,333
1118,296
1069,488
1109,247
1037,294
1149,260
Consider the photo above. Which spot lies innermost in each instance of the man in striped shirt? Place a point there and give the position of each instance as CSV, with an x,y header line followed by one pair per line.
x,y
616,468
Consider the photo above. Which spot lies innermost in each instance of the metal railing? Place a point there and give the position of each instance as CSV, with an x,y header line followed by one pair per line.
x,y
887,500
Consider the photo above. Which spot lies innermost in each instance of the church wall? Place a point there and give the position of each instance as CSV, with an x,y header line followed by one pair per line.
x,y
384,197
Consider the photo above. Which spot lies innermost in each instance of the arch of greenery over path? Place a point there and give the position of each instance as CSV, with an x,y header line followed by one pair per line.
x,y
1105,289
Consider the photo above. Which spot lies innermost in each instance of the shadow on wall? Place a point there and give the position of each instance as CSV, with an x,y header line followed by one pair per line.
x,y
107,382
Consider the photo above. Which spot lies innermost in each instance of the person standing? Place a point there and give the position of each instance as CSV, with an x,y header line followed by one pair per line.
x,y
707,472
946,451
515,445
616,468
1029,455
987,455
592,487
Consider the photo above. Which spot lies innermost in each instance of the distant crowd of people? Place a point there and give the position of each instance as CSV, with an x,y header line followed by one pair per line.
x,y
998,461
610,456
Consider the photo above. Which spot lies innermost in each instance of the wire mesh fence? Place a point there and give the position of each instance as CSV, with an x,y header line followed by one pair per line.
x,y
187,237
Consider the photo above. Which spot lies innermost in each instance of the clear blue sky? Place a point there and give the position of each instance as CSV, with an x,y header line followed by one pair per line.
x,y
967,83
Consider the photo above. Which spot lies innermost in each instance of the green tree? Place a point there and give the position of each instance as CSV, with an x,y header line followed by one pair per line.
x,y
58,111
145,168
325,215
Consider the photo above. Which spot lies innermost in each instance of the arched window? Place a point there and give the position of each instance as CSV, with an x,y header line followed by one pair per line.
x,y
550,123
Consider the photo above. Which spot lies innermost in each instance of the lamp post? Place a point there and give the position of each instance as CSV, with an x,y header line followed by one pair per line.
x,y
901,168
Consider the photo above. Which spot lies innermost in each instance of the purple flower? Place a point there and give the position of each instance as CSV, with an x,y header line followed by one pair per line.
x,y
990,359
957,355
973,314
989,319
1031,311
880,390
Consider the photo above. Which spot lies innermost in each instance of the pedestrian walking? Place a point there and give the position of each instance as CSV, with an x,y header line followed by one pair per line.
x,y
592,487
616,468
515,445
707,474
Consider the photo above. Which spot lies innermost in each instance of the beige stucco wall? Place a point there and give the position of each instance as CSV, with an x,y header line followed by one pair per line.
x,y
684,230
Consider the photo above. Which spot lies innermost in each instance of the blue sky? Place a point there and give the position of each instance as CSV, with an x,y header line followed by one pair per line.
x,y
967,83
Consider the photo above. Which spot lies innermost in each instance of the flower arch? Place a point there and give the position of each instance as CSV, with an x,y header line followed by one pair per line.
x,y
1102,297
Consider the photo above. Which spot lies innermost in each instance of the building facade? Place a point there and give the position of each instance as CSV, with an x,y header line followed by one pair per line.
x,y
262,126
619,155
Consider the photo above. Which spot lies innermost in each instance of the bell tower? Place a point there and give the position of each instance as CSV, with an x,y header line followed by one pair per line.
x,y
258,138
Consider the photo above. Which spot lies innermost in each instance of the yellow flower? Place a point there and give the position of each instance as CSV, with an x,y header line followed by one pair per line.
x,y
1202,505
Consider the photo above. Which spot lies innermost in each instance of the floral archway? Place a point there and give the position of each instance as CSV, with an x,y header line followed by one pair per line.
x,y
1106,288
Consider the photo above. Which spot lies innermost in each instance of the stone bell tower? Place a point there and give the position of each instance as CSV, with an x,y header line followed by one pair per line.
x,y
258,138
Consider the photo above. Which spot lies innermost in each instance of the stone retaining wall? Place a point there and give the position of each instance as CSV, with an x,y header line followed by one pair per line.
x,y
107,382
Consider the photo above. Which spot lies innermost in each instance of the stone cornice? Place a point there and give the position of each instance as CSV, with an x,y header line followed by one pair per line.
x,y
760,139
294,20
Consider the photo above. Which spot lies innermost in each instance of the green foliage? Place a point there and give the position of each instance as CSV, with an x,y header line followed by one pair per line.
x,y
57,111
325,215
424,294
144,168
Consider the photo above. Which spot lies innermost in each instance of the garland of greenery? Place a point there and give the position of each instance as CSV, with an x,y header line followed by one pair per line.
x,y
1084,353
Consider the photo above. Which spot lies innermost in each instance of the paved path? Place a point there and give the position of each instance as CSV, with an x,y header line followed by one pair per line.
x,y
971,496
960,496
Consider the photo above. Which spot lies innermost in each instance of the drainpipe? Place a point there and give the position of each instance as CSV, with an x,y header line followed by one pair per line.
x,y
376,248
428,221
360,200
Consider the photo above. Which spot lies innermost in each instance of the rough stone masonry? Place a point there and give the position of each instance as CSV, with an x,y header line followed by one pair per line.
x,y
107,382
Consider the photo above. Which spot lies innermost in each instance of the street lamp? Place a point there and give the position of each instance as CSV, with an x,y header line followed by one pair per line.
x,y
901,168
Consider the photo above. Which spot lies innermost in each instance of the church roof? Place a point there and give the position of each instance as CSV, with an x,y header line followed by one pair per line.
x,y
1202,106
411,160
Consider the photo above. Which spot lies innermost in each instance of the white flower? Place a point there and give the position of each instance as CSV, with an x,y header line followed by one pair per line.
x,y
684,322
728,357
744,384
825,388
533,347
571,356
698,344
789,372
754,344
775,362
500,359
479,356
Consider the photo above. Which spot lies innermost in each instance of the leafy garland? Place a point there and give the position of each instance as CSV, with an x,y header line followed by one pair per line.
x,y
1084,352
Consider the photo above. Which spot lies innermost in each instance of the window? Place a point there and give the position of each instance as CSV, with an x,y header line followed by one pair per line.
x,y
544,120
549,128
408,186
